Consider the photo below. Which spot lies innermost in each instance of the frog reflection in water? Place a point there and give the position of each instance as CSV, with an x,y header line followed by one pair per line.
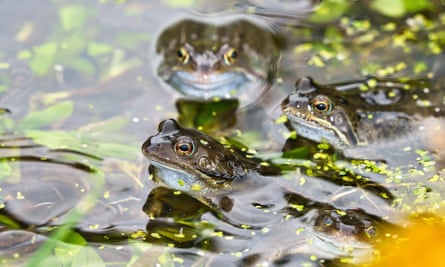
x,y
232,60
351,117
190,161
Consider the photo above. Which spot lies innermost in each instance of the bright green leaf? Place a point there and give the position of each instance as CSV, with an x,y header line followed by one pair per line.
x,y
393,8
8,222
417,6
330,10
58,112
73,17
43,59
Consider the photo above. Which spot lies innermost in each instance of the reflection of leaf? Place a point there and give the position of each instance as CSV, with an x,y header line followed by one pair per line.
x,y
58,112
87,257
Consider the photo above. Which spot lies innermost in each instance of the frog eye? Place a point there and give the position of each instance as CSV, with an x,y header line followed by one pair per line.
x,y
322,104
184,147
183,55
230,56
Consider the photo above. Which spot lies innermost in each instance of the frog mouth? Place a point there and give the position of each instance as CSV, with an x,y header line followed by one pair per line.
x,y
208,85
313,128
174,177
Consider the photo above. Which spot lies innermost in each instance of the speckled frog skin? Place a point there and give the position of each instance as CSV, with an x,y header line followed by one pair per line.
x,y
235,59
358,114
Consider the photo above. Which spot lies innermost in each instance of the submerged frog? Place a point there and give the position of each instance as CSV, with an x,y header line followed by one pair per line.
x,y
361,113
191,161
235,59
18,79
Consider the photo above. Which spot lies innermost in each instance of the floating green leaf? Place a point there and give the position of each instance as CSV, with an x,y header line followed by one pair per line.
x,y
5,169
58,112
87,257
297,153
179,3
97,49
418,5
397,8
330,10
54,139
118,150
50,261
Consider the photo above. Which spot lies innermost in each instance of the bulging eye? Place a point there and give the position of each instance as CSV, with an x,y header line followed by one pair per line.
x,y
184,146
322,104
230,56
182,55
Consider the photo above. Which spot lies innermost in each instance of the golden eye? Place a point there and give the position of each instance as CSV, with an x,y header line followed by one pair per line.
x,y
183,55
230,56
322,104
184,147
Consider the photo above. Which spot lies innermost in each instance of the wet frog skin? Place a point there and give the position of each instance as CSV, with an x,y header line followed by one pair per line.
x,y
347,116
230,60
189,160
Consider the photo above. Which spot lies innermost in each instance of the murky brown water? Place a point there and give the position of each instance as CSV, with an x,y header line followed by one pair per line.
x,y
87,95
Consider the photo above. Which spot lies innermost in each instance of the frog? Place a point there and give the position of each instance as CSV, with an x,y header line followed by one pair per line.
x,y
364,113
234,58
19,83
189,160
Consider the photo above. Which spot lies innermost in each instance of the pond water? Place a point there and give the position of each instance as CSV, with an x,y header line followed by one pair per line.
x,y
84,83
